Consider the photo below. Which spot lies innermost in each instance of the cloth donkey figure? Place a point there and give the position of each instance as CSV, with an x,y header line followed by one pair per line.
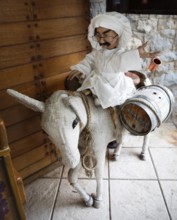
x,y
75,125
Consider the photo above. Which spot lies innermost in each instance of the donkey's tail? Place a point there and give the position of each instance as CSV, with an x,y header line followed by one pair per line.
x,y
27,101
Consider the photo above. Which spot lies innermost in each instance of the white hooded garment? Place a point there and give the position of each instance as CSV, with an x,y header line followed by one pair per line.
x,y
104,69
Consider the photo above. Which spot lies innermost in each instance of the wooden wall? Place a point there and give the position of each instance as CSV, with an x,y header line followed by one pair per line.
x,y
39,41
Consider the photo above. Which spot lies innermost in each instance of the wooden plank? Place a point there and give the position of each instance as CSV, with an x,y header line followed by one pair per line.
x,y
36,167
24,54
16,75
24,32
61,64
20,112
15,33
58,8
28,89
25,73
28,143
25,128
63,46
63,27
16,55
31,157
38,39
42,172
55,83
15,10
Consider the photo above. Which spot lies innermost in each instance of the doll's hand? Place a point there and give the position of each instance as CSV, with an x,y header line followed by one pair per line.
x,y
143,54
134,77
77,74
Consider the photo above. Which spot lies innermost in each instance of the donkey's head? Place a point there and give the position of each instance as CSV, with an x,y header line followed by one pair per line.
x,y
64,118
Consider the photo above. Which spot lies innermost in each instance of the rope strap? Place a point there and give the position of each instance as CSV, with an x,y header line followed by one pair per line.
x,y
88,159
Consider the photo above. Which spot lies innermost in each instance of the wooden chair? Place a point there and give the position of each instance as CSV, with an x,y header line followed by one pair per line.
x,y
12,190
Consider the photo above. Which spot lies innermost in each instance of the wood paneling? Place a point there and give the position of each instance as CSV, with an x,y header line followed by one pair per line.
x,y
16,75
45,9
15,10
24,54
37,166
30,157
28,89
12,33
19,111
24,128
60,64
43,170
39,41
62,46
28,143
16,55
55,83
62,27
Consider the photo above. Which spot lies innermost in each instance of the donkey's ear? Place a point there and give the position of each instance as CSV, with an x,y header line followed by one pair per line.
x,y
77,105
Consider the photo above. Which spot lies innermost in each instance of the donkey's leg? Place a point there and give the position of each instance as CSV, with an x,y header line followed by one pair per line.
x,y
117,150
145,147
120,139
73,179
99,170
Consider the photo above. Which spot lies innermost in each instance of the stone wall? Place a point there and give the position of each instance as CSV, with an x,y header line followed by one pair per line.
x,y
97,7
161,33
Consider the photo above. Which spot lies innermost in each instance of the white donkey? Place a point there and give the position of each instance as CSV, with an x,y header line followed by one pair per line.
x,y
81,131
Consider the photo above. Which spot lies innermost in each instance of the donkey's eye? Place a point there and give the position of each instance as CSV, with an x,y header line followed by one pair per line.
x,y
75,122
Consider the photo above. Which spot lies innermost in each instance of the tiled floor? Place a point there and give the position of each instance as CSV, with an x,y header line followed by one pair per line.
x,y
133,189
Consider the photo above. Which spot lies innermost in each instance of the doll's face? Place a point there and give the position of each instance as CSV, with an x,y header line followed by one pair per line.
x,y
107,38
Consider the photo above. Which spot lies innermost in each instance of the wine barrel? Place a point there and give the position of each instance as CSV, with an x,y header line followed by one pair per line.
x,y
147,109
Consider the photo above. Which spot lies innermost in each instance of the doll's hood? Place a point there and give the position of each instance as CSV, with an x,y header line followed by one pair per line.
x,y
114,21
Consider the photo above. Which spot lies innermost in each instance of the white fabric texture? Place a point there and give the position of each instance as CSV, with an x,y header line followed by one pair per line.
x,y
104,69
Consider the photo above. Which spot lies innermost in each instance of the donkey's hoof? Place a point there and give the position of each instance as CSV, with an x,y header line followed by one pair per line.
x,y
142,156
115,157
89,202
96,203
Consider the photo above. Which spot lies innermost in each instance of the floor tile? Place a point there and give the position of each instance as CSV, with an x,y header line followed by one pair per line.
x,y
131,140
137,200
170,192
134,189
129,166
164,136
40,199
165,160
56,173
70,206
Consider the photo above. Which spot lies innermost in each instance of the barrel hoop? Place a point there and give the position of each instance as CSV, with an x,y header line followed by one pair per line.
x,y
147,104
171,98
